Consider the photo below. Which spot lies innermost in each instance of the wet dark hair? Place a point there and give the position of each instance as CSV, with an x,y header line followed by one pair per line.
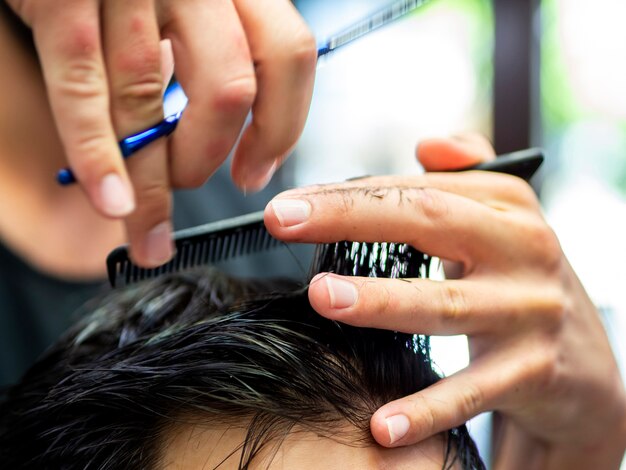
x,y
202,348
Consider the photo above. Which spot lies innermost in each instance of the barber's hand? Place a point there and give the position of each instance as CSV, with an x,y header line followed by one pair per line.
x,y
539,353
104,71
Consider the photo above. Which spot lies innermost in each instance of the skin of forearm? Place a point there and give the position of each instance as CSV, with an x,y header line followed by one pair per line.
x,y
514,449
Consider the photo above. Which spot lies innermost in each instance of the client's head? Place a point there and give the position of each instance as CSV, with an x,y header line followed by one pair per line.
x,y
201,371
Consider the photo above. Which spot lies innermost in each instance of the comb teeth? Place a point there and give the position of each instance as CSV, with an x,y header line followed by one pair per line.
x,y
199,246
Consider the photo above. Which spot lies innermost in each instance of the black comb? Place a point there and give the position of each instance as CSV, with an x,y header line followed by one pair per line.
x,y
226,239
198,246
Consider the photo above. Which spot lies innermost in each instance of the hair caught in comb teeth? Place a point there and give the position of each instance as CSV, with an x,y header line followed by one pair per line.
x,y
387,260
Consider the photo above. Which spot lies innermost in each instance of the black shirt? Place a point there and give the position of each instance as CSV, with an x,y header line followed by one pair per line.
x,y
35,308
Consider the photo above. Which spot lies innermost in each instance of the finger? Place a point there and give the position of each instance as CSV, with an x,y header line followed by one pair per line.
x,y
497,190
285,59
455,152
167,62
495,380
214,67
68,42
149,228
502,192
471,307
437,222
133,57
438,408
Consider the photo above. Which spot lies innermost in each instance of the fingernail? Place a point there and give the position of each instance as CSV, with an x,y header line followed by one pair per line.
x,y
290,212
397,426
259,176
159,245
117,199
343,294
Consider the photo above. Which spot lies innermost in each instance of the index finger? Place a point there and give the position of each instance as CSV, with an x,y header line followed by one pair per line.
x,y
492,381
432,220
285,58
69,45
214,67
448,403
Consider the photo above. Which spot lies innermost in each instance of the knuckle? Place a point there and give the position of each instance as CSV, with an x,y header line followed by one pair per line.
x,y
90,143
304,49
153,199
383,299
430,203
552,253
91,158
472,400
544,368
343,205
236,96
522,193
424,419
454,304
555,308
82,40
137,79
544,243
152,192
144,94
82,78
511,191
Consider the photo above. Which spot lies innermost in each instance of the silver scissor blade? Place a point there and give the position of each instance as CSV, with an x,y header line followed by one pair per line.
x,y
382,18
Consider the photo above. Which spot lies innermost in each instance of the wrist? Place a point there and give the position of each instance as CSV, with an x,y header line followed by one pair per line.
x,y
514,448
607,455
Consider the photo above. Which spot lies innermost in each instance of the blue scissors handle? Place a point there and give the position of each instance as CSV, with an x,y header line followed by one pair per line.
x,y
136,142
132,144
392,12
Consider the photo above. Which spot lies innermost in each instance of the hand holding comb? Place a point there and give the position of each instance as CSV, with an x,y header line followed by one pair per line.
x,y
222,240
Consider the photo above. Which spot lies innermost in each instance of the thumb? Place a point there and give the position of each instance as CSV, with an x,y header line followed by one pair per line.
x,y
455,152
446,404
